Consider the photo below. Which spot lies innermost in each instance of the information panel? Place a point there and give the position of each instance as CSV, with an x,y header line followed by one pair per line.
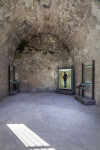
x,y
88,74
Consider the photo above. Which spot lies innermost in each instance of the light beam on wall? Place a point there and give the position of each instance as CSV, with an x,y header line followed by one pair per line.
x,y
29,138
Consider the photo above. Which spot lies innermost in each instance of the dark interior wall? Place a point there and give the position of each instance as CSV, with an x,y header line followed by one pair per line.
x,y
3,75
37,60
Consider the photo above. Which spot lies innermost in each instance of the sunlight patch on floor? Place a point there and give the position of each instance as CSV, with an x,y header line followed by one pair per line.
x,y
29,138
44,149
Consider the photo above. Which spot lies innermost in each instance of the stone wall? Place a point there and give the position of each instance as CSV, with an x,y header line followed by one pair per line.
x,y
76,23
88,49
37,60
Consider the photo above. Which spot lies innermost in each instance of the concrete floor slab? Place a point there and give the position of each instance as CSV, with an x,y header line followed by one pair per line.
x,y
59,120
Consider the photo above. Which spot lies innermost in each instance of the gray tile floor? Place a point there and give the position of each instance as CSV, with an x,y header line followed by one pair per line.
x,y
59,120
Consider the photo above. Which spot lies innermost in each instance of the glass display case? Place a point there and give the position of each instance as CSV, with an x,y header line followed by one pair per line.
x,y
65,79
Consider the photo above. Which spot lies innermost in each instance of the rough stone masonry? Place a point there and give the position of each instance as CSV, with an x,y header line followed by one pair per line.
x,y
71,24
37,60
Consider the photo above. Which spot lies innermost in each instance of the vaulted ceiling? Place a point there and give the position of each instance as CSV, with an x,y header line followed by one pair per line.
x,y
69,20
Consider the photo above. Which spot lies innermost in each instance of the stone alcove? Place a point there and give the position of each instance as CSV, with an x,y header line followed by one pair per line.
x,y
37,59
